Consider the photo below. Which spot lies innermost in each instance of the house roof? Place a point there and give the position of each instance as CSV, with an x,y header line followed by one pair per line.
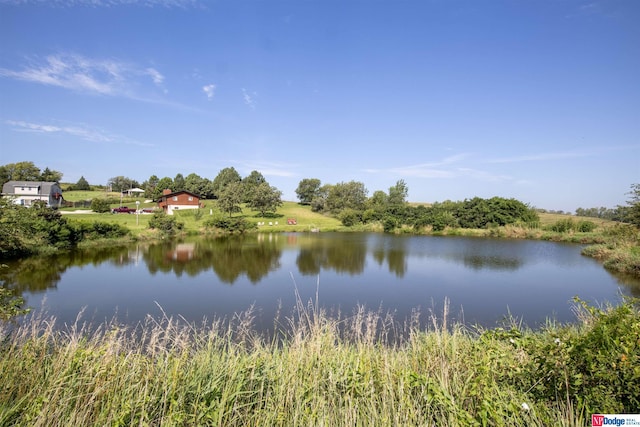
x,y
175,193
44,186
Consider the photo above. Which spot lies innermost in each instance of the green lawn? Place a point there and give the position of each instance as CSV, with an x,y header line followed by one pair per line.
x,y
306,220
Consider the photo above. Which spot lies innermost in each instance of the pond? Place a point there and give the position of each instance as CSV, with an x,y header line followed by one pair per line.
x,y
483,280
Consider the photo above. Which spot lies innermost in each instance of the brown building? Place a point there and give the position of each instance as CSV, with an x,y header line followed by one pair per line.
x,y
178,200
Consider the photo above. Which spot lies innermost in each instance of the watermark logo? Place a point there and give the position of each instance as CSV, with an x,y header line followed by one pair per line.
x,y
600,420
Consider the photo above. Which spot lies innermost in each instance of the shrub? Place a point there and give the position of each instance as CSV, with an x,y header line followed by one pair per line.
x,y
101,230
166,224
100,205
229,224
597,367
585,226
350,217
562,226
389,224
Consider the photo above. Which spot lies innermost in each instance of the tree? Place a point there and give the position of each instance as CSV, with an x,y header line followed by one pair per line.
x,y
150,186
265,199
230,198
250,184
319,201
21,171
398,193
82,185
632,210
225,177
49,175
178,183
351,195
195,184
121,183
165,183
378,201
307,189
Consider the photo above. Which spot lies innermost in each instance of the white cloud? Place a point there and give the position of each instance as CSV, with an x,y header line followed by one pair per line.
x,y
249,98
87,75
209,90
82,132
156,76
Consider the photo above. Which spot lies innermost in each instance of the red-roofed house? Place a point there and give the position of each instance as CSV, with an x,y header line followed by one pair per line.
x,y
178,200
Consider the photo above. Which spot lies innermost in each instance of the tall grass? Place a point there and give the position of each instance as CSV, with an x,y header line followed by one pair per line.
x,y
318,370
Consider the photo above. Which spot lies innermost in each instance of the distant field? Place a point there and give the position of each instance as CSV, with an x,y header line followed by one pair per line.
x,y
76,196
549,218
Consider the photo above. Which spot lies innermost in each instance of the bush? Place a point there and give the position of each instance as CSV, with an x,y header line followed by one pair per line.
x,y
389,224
562,226
229,224
585,226
166,224
350,217
596,368
100,205
101,230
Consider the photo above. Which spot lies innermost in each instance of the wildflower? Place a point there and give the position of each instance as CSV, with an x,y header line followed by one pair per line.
x,y
512,341
557,341
525,407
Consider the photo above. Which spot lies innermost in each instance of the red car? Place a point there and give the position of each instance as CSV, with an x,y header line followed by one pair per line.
x,y
123,209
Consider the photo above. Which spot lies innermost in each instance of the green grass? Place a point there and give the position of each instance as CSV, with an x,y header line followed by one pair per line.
x,y
306,220
76,196
320,370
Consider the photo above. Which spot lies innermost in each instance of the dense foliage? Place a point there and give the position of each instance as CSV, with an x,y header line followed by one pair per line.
x,y
25,231
27,171
472,213
100,205
230,225
165,224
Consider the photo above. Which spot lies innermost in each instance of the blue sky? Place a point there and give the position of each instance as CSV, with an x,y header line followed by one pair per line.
x,y
537,100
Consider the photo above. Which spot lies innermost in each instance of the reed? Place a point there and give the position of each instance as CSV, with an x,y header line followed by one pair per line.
x,y
316,369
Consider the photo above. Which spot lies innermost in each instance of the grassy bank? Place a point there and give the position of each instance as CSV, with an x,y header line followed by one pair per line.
x,y
320,371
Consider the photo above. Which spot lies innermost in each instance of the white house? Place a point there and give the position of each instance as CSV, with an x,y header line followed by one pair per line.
x,y
26,192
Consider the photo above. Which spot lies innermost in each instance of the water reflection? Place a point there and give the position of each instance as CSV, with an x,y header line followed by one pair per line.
x,y
229,257
36,274
483,276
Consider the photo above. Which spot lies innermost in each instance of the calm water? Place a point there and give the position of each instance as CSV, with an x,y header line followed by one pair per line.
x,y
484,279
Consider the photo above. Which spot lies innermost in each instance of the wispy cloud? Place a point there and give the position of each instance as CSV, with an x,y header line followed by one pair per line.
x,y
436,169
86,75
209,90
448,167
269,168
79,131
540,157
169,4
561,155
249,98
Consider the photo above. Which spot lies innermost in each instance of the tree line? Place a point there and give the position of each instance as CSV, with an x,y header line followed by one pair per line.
x,y
27,171
348,201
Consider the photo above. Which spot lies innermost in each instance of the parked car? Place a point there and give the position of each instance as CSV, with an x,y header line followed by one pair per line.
x,y
123,209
